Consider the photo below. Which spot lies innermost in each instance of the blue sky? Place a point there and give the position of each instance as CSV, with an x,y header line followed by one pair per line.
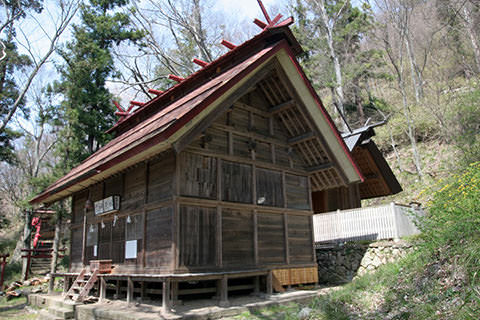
x,y
249,8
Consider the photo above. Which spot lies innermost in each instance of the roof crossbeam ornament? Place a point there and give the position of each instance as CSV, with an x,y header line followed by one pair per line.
x,y
157,92
228,44
260,23
270,23
201,63
175,78
137,103
121,112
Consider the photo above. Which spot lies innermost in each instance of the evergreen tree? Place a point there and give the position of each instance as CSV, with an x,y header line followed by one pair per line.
x,y
87,111
12,61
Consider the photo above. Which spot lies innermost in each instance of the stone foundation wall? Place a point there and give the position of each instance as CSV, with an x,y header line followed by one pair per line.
x,y
340,263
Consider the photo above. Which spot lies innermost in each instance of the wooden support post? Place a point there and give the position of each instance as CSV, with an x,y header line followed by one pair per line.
x,y
174,293
255,236
84,240
256,285
219,251
254,183
29,257
166,296
285,230
51,283
66,284
224,292
143,292
219,179
98,288
272,151
117,290
270,282
103,289
230,143
129,290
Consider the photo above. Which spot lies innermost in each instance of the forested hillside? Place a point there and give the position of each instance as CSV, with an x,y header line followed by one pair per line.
x,y
411,66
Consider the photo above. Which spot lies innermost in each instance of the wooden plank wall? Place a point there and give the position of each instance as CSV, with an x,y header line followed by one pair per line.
x,y
240,184
146,192
197,236
237,238
236,198
271,239
158,237
300,238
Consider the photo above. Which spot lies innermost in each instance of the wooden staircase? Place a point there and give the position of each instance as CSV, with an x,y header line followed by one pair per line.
x,y
41,266
82,285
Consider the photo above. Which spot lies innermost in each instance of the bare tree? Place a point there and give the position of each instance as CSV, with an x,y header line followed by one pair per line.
x,y
470,26
393,33
175,33
62,19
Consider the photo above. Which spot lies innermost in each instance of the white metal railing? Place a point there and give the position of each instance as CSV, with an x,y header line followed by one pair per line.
x,y
391,221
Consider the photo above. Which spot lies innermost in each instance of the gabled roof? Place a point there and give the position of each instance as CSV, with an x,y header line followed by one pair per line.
x,y
165,119
379,178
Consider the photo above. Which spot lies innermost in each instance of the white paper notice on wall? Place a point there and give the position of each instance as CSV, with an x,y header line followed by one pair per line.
x,y
131,249
95,250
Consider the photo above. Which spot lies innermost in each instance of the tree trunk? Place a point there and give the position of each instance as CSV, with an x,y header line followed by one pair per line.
x,y
27,232
394,146
338,96
417,77
470,27
410,129
398,67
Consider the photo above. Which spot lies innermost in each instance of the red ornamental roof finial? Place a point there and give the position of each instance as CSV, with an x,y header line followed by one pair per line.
x,y
270,23
264,11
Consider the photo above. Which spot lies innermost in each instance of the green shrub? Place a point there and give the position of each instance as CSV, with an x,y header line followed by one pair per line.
x,y
454,211
464,125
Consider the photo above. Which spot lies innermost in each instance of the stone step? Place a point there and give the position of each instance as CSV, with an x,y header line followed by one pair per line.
x,y
62,313
44,314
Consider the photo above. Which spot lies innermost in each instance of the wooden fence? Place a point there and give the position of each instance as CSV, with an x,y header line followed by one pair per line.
x,y
391,221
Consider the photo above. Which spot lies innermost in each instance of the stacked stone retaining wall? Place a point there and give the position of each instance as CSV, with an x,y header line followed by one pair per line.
x,y
340,263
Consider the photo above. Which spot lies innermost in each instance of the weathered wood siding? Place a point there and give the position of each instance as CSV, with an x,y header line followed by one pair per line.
x,y
158,251
300,238
271,239
160,178
145,217
238,167
297,192
237,197
134,188
236,182
198,177
197,236
237,238
269,188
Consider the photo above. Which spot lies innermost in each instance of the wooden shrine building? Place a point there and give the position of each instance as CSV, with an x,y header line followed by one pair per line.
x,y
211,180
379,180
